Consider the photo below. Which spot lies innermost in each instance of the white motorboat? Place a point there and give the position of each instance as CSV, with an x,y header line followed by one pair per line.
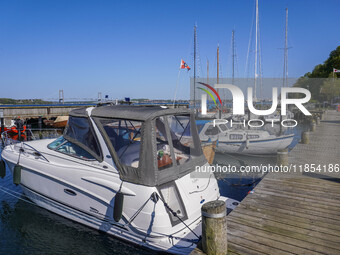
x,y
123,170
244,141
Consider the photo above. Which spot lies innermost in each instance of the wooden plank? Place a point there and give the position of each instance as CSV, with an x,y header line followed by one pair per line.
x,y
270,210
269,244
330,203
298,209
306,180
282,242
306,185
252,245
289,222
277,215
294,202
293,232
234,248
306,229
323,185
302,191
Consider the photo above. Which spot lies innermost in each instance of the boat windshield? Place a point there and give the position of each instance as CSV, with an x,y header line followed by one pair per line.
x,y
79,140
79,131
125,137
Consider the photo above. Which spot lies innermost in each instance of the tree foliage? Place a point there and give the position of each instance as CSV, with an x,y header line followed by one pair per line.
x,y
320,82
22,101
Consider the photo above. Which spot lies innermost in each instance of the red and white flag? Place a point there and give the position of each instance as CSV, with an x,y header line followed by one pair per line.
x,y
184,65
336,70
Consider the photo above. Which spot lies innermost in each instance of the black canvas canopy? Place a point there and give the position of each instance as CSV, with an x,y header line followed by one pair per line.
x,y
141,113
148,171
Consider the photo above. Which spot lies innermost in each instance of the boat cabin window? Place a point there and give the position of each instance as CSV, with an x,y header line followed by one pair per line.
x,y
79,131
223,127
181,137
249,136
164,158
182,140
235,137
212,130
125,137
66,147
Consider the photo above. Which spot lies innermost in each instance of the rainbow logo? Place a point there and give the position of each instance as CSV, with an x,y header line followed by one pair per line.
x,y
210,94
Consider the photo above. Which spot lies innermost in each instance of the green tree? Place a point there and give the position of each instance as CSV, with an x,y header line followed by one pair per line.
x,y
320,81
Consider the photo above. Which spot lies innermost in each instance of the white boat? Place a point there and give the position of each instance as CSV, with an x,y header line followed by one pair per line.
x,y
122,170
243,141
275,117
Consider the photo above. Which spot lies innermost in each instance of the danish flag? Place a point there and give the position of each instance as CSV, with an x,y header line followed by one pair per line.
x,y
184,65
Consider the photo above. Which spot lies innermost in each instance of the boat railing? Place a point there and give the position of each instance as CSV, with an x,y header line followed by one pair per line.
x,y
19,140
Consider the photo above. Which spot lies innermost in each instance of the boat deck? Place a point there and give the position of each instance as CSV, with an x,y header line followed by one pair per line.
x,y
294,213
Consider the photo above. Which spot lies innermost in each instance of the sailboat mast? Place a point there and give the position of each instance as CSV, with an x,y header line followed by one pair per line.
x,y
218,76
256,35
207,70
195,41
233,55
285,62
218,64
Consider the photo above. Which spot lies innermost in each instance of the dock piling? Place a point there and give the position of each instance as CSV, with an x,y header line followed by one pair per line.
x,y
318,121
214,228
312,126
40,126
282,157
305,137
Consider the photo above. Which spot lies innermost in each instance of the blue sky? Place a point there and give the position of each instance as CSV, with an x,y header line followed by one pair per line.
x,y
134,48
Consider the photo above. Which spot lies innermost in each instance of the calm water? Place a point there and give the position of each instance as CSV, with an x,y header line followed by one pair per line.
x,y
28,229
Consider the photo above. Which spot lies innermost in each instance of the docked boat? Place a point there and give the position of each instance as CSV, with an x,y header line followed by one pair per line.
x,y
60,122
123,170
275,117
244,141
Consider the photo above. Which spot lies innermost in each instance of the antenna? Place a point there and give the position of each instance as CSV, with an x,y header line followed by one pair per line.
x,y
99,96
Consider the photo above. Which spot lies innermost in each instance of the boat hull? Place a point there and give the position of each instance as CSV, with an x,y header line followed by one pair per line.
x,y
76,194
105,224
256,147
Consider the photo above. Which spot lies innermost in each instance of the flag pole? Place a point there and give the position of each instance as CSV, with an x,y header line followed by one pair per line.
x,y
179,72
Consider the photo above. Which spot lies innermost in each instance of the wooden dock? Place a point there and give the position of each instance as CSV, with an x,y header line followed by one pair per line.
x,y
294,213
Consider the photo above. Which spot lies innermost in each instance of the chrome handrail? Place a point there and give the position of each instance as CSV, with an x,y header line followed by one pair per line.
x,y
8,141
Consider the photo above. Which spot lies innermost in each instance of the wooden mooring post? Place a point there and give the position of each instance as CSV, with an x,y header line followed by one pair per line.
x,y
305,137
40,127
318,121
312,126
214,228
282,157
